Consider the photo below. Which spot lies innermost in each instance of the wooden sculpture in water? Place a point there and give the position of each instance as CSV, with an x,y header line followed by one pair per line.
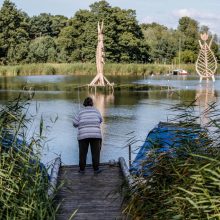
x,y
100,79
206,63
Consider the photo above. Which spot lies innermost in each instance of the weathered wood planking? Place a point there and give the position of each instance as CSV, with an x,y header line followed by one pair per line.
x,y
94,196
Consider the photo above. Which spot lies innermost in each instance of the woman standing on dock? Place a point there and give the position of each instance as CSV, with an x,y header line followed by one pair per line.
x,y
88,122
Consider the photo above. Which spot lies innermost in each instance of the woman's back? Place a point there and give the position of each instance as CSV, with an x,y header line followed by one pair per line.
x,y
88,122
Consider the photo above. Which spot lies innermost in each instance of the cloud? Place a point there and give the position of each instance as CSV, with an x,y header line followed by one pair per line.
x,y
204,18
195,14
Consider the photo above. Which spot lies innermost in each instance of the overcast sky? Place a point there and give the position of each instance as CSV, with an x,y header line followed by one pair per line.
x,y
166,12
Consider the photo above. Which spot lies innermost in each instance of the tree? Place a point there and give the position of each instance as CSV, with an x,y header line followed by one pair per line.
x,y
14,34
58,23
40,25
189,31
42,50
47,25
162,42
66,43
122,34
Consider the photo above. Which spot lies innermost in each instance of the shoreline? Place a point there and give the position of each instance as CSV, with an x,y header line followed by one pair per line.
x,y
110,69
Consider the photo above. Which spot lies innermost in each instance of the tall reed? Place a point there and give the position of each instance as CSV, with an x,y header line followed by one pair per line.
x,y
114,69
23,180
184,186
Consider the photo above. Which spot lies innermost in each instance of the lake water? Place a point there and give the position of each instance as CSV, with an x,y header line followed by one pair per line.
x,y
128,115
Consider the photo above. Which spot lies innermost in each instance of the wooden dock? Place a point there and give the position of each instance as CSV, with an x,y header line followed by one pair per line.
x,y
92,196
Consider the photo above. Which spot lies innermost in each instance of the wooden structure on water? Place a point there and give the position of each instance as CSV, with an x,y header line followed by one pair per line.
x,y
91,196
206,64
100,79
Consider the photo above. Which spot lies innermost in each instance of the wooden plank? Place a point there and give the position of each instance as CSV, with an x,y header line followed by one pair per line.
x,y
94,196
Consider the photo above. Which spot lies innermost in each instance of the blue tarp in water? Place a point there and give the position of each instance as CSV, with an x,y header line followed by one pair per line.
x,y
166,137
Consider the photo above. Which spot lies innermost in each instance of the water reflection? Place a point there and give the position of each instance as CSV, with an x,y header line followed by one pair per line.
x,y
102,102
205,95
124,111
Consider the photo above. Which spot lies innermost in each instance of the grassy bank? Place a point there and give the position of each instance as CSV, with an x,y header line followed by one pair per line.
x,y
89,69
23,179
184,186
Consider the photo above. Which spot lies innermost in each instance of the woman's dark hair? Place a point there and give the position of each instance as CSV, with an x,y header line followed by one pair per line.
x,y
88,102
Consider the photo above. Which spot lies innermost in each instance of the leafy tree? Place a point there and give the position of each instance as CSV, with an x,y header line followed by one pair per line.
x,y
47,25
55,38
122,34
58,23
162,42
66,43
42,50
186,56
19,53
189,30
14,35
40,25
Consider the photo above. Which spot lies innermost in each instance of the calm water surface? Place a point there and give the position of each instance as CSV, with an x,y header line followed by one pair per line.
x,y
128,115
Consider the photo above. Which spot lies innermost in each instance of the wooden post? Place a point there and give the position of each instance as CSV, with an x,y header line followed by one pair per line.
x,y
126,172
54,176
129,155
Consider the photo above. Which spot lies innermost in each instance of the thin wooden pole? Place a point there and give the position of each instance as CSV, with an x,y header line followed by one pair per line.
x,y
129,155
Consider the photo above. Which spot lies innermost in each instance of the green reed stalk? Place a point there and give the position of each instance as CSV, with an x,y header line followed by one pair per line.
x,y
110,69
23,183
186,186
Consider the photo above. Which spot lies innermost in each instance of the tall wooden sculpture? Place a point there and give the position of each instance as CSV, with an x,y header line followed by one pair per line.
x,y
206,63
100,79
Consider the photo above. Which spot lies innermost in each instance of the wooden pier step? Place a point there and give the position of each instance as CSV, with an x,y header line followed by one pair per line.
x,y
94,196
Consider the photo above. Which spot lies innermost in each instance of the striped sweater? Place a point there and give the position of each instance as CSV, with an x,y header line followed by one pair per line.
x,y
88,123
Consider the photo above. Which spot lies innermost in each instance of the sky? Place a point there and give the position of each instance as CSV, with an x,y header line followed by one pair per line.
x,y
166,12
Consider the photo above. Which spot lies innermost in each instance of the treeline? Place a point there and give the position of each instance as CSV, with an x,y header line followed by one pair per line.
x,y
58,39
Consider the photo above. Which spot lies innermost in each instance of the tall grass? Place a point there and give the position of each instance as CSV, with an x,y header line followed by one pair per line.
x,y
23,181
185,186
89,69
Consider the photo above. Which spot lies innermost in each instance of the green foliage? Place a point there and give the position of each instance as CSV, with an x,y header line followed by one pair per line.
x,y
75,39
185,186
46,25
42,50
122,35
162,42
23,183
189,33
89,69
186,56
13,33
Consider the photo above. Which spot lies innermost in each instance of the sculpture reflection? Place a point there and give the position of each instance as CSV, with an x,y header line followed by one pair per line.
x,y
205,95
102,101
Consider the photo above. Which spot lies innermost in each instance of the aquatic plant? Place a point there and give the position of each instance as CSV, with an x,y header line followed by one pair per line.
x,y
23,179
110,69
184,186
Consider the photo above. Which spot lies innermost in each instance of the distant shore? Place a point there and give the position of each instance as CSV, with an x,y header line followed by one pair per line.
x,y
90,69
